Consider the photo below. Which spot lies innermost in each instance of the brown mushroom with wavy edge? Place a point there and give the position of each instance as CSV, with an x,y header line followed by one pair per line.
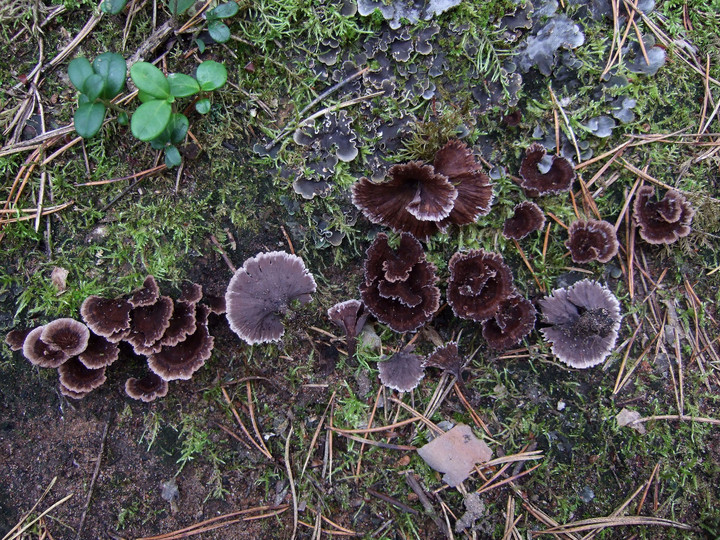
x,y
447,358
456,161
146,295
40,353
66,334
585,320
663,221
414,200
592,240
99,352
557,179
216,304
71,394
349,315
147,388
148,325
107,317
182,360
260,293
182,323
77,378
399,286
514,319
479,281
527,218
16,338
403,371
190,293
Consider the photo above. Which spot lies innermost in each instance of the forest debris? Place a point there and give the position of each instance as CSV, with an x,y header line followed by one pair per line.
x,y
629,418
455,453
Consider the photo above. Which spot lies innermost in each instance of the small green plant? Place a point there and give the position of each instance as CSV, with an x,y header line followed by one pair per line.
x,y
217,29
155,120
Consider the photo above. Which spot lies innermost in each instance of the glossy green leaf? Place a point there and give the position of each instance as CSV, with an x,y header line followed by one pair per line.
x,y
182,85
143,97
219,31
150,119
203,106
178,127
83,99
200,45
113,7
150,80
93,86
113,69
177,7
223,11
89,119
172,157
78,71
211,75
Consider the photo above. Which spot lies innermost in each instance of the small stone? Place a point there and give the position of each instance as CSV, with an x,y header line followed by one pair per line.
x,y
586,494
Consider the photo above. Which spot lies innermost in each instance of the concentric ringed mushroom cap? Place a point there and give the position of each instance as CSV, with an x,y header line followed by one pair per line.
x,y
592,240
585,321
664,221
447,358
514,319
109,318
557,179
148,388
261,291
403,371
527,218
147,294
66,334
15,338
77,378
40,353
99,353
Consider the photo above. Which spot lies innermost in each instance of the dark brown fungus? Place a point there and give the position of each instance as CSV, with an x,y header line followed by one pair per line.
x,y
479,281
182,323
585,320
148,325
456,161
69,393
15,338
77,378
190,293
215,303
447,358
147,294
399,287
557,179
182,360
68,335
349,315
403,371
414,200
148,388
260,292
40,353
592,240
527,218
514,319
99,353
663,221
107,317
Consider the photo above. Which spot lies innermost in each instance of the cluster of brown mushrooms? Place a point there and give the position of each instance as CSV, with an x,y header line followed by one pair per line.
x,y
172,334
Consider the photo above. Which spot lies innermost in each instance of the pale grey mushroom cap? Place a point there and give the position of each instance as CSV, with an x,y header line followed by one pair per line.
x,y
586,320
66,334
261,291
403,371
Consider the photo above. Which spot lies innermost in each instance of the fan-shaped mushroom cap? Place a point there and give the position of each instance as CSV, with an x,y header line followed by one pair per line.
x,y
69,393
592,240
399,287
474,191
350,316
586,319
182,323
68,335
414,200
447,358
147,294
182,360
514,319
148,325
215,303
403,371
557,179
664,221
148,388
15,338
527,218
260,292
191,293
99,353
77,378
109,318
40,353
478,282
